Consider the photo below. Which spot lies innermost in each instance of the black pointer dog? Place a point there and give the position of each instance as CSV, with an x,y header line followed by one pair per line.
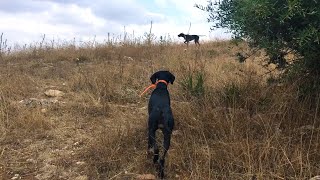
x,y
160,116
188,38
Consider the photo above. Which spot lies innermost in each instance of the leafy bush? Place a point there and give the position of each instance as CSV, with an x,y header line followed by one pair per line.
x,y
278,26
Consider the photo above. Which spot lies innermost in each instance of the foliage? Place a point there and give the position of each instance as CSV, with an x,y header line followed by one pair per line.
x,y
193,84
278,26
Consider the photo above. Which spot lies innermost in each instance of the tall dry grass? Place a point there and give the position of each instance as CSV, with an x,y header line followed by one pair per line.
x,y
230,123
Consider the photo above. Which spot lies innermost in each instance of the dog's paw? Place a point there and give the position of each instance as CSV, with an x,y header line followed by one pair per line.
x,y
150,153
155,158
161,173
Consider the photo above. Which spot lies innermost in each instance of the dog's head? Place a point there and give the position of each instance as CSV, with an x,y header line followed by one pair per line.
x,y
162,75
181,35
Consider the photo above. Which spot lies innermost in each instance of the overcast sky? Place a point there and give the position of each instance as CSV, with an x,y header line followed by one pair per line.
x,y
25,21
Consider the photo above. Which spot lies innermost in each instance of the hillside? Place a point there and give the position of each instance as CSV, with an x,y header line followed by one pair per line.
x,y
230,123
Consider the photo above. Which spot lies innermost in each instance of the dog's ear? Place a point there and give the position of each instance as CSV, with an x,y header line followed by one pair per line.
x,y
171,78
154,77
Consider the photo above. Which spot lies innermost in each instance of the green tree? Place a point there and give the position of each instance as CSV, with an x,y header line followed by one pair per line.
x,y
278,26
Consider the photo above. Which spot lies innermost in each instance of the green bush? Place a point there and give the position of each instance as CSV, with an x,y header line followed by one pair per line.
x,y
193,84
231,95
278,26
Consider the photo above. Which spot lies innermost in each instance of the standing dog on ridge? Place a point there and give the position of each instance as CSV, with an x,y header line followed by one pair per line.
x,y
188,38
160,116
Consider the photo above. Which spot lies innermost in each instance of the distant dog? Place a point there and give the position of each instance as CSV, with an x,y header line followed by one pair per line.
x,y
189,38
160,116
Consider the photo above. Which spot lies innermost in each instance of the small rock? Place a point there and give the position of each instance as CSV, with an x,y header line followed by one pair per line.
x,y
43,110
30,102
272,66
176,132
34,102
146,176
53,93
47,172
307,128
143,108
82,178
80,163
315,178
27,141
16,176
31,161
128,58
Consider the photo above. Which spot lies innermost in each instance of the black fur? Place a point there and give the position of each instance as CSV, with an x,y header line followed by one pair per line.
x,y
188,38
160,116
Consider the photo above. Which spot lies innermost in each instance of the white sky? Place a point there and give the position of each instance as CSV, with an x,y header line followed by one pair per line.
x,y
25,21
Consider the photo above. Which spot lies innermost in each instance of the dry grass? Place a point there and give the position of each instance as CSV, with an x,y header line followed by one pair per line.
x,y
230,123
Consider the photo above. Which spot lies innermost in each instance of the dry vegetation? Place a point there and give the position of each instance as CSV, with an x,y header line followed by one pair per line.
x,y
230,124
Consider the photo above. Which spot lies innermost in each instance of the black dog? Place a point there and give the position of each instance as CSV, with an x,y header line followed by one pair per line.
x,y
160,116
188,38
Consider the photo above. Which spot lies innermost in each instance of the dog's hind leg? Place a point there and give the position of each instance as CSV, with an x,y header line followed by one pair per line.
x,y
152,127
152,144
167,131
166,145
196,41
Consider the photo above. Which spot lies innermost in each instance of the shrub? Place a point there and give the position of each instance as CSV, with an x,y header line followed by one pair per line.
x,y
277,26
193,84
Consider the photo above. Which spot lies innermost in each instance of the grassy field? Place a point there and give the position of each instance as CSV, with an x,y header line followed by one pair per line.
x,y
230,123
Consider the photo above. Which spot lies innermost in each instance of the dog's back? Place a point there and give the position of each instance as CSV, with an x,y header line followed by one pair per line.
x,y
159,108
159,102
159,99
